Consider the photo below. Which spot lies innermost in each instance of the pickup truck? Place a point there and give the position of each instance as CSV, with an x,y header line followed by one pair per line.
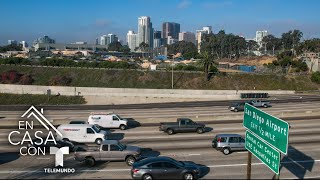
x,y
182,125
109,150
260,103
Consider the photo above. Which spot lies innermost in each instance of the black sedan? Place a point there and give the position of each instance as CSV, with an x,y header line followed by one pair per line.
x,y
164,168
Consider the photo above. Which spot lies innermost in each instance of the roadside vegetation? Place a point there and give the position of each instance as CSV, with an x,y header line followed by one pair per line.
x,y
83,77
28,99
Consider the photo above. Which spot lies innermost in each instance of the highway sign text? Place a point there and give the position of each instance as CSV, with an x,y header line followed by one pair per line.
x,y
271,129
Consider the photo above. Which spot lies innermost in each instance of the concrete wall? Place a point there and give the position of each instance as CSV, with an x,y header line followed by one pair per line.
x,y
96,95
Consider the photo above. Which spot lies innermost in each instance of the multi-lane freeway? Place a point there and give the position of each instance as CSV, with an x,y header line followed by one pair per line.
x,y
302,161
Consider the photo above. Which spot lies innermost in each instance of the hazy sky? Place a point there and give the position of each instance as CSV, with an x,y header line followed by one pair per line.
x,y
84,20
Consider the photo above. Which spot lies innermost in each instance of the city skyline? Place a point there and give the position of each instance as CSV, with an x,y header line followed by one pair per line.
x,y
84,20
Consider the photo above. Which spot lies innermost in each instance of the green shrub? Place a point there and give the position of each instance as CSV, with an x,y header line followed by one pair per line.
x,y
315,77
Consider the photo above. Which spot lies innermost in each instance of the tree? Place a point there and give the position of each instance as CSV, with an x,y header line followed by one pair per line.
x,y
291,39
271,43
312,45
206,61
252,45
143,46
187,49
223,45
114,46
125,49
11,47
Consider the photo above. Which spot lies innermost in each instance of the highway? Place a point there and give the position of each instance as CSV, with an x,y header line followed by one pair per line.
x,y
302,161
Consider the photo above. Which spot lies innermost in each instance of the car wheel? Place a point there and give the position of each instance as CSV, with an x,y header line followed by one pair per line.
x,y
170,131
235,110
200,130
147,177
89,162
98,141
188,176
214,145
226,151
265,106
123,127
130,160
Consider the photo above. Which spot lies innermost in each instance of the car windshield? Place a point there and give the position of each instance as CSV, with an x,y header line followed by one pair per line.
x,y
122,146
119,117
96,129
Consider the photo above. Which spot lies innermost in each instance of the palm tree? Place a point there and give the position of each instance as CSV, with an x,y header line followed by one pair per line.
x,y
206,61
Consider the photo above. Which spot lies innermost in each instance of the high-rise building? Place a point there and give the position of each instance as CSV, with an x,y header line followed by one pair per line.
x,y
24,44
260,35
103,40
171,40
188,37
157,34
170,29
132,40
97,41
158,41
45,40
145,31
200,33
12,42
208,29
111,38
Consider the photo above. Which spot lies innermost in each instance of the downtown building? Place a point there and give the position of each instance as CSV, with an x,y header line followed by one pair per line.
x,y
170,29
132,40
44,40
157,41
145,31
188,37
200,33
108,39
12,42
259,36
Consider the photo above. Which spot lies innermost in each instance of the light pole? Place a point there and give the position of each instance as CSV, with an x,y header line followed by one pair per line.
x,y
172,72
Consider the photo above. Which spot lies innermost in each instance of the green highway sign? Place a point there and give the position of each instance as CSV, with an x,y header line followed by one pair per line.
x,y
269,128
265,153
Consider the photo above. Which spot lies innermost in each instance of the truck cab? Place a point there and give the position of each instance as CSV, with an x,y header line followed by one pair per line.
x,y
109,150
182,125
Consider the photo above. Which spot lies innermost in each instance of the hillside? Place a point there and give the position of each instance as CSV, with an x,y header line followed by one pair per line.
x,y
162,80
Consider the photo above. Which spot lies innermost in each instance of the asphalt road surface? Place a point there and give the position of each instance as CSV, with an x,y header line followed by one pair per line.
x,y
302,161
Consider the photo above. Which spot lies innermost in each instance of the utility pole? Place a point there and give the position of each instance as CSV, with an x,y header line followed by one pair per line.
x,y
172,72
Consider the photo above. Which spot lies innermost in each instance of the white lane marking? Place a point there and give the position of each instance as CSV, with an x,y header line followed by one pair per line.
x,y
310,177
13,171
286,162
194,154
105,170
242,152
43,158
118,170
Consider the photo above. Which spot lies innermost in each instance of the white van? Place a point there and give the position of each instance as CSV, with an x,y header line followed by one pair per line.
x,y
108,120
82,133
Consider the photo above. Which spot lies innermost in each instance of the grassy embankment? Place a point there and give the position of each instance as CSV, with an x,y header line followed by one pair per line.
x,y
162,80
28,99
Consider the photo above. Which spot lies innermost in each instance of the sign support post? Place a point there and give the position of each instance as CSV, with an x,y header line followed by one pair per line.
x,y
249,165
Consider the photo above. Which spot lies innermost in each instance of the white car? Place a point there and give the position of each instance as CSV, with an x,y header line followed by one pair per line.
x,y
108,120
